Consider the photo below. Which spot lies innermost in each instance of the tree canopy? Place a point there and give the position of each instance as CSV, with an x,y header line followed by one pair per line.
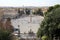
x,y
38,12
50,23
4,35
27,11
51,8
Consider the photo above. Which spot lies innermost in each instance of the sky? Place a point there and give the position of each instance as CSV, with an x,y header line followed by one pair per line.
x,y
19,3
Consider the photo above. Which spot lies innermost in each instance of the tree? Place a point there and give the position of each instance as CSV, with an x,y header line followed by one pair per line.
x,y
1,24
50,23
5,30
56,6
19,13
18,10
8,26
52,8
39,12
5,35
27,11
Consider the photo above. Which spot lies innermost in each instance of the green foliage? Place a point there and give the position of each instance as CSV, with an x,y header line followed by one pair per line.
x,y
27,11
4,35
44,37
38,12
52,8
56,6
50,23
20,12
